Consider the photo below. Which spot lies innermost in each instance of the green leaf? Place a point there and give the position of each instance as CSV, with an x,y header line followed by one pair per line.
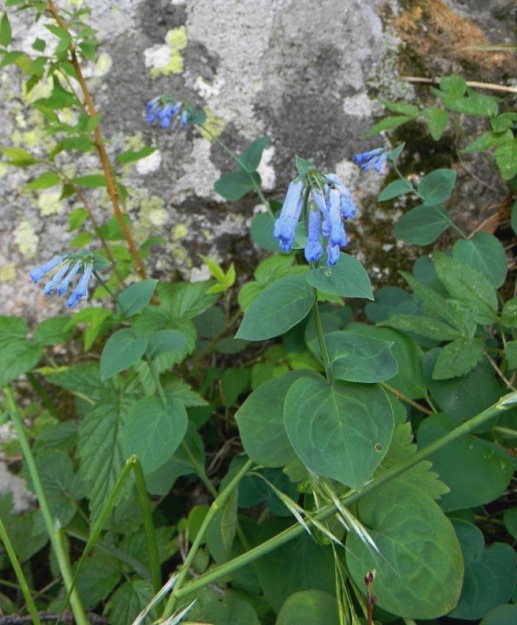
x,y
129,156
506,159
5,31
488,140
514,218
101,457
458,358
360,359
341,431
45,181
153,431
485,254
165,341
389,123
261,421
91,181
510,521
122,350
136,297
467,286
249,160
409,379
509,313
12,57
437,186
232,608
221,531
186,300
453,86
489,573
429,327
510,353
261,232
402,108
53,331
303,166
475,470
236,185
308,607
18,354
422,225
395,189
420,571
402,448
501,615
348,278
128,601
437,120
277,309
18,157
77,217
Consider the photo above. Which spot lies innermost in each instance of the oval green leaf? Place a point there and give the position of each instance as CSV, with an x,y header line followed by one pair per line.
x,y
277,309
485,254
136,297
122,350
422,225
308,607
341,431
420,567
348,278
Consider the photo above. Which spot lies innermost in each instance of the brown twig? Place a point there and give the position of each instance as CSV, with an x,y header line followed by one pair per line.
x,y
469,83
101,150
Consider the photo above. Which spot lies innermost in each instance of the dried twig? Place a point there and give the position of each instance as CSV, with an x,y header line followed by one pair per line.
x,y
470,83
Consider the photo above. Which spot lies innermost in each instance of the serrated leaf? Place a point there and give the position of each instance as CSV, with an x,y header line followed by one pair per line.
x,y
485,253
488,140
18,354
128,601
458,358
424,326
402,448
153,431
467,285
437,120
509,313
506,159
100,451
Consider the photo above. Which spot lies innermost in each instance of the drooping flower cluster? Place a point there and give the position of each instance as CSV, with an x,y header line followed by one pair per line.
x,y
374,158
60,282
328,205
165,110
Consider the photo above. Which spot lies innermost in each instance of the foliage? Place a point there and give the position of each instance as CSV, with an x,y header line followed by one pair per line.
x,y
186,469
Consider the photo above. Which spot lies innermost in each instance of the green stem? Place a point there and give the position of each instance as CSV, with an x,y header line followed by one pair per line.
x,y
505,403
217,505
154,560
31,607
59,550
234,156
321,342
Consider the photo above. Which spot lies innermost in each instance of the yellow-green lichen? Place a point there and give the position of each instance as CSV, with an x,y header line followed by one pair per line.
x,y
213,125
4,168
135,142
7,272
26,239
103,64
179,232
167,59
150,210
49,204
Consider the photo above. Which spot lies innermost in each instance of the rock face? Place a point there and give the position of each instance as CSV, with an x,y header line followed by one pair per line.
x,y
306,74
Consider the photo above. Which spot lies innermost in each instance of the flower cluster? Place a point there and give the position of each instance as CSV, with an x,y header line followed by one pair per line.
x,y
329,205
60,282
164,110
374,158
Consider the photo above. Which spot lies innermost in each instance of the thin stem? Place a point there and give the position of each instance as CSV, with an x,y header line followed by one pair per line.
x,y
505,403
321,342
216,506
101,150
54,535
406,399
24,586
236,158
469,83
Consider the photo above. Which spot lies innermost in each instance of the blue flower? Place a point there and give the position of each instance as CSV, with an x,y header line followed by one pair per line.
x,y
38,273
374,158
70,266
81,290
285,225
162,109
330,204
